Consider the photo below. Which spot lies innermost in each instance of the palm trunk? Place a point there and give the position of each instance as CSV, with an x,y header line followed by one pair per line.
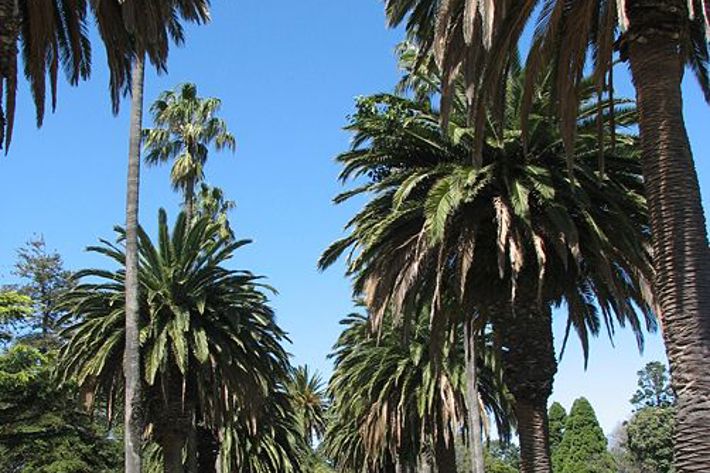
x,y
172,453
680,244
131,358
444,452
475,438
190,203
208,450
529,367
191,463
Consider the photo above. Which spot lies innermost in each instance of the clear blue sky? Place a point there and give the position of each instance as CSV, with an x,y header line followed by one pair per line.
x,y
287,73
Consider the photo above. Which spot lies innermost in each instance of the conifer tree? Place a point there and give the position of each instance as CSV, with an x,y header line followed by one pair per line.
x,y
557,415
583,448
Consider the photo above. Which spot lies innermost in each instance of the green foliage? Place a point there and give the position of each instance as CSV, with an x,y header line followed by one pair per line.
x,y
654,387
310,401
211,203
186,126
391,392
583,448
209,340
501,458
557,417
650,439
15,308
42,429
44,280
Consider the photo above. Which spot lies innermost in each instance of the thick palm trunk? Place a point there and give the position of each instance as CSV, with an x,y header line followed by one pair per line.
x,y
444,452
475,438
680,245
131,358
529,367
172,446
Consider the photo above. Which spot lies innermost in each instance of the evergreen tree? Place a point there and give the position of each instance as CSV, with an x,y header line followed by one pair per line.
x,y
43,429
558,416
650,439
44,280
583,448
654,387
649,432
15,308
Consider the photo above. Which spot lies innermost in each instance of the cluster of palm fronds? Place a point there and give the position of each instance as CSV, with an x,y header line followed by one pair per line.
x,y
461,262
216,376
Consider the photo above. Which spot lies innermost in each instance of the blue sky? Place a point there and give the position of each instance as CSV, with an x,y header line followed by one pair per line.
x,y
287,73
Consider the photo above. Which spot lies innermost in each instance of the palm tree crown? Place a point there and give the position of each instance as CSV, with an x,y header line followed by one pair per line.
x,y
186,126
209,342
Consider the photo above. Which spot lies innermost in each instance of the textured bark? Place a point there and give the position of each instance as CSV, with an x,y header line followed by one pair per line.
x,y
680,245
533,430
445,453
190,202
475,438
133,417
529,367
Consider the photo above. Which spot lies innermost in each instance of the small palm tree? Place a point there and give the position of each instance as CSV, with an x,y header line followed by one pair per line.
x,y
185,127
209,343
400,399
310,401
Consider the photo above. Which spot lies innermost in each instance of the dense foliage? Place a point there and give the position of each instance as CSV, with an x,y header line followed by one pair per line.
x,y
583,448
43,428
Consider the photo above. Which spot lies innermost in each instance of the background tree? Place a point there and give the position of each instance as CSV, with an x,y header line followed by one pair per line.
x,y
43,429
310,401
212,203
44,281
502,457
654,388
647,442
186,125
558,417
15,309
650,439
583,448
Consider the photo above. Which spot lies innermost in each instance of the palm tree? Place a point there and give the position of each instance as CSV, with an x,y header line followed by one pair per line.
x,y
658,40
185,128
149,25
396,401
265,441
209,343
310,402
509,239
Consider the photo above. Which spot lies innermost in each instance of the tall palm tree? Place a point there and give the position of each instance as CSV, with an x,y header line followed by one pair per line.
x,y
397,401
310,402
658,40
510,238
186,126
150,25
209,342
